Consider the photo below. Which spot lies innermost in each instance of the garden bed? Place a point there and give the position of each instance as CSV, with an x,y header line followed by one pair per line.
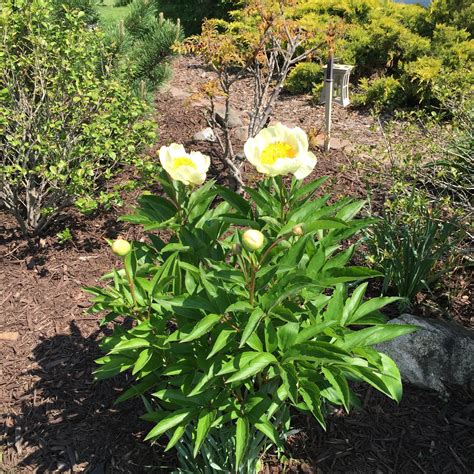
x,y
56,417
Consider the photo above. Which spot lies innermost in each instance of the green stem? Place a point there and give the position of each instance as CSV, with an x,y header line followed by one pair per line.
x,y
132,287
252,283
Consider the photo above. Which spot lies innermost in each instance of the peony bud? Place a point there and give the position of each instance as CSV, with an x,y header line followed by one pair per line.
x,y
298,230
121,247
253,239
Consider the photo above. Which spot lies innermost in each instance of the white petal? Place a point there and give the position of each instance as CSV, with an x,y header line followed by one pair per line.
x,y
307,162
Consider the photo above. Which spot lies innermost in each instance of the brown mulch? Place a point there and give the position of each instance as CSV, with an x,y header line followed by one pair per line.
x,y
56,418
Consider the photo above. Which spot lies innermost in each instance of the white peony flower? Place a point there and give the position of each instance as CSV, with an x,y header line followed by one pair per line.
x,y
280,150
189,168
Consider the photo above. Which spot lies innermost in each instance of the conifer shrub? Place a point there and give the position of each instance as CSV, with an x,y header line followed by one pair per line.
x,y
143,44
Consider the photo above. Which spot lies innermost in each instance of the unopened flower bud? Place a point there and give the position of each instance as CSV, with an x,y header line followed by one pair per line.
x,y
253,239
298,230
121,247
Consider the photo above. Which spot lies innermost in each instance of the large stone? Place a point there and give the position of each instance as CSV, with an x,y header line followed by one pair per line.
x,y
234,116
177,93
242,133
438,353
205,135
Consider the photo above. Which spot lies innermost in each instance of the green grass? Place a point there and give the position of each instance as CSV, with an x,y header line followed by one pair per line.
x,y
111,15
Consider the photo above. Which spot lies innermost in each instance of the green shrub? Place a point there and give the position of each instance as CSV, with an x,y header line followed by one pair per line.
x,y
303,77
387,39
458,13
227,340
67,126
122,3
380,92
144,46
88,7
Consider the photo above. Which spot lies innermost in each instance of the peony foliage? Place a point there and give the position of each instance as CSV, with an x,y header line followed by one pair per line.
x,y
248,310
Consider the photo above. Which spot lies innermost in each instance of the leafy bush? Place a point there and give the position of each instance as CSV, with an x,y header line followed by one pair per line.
x,y
458,13
64,129
387,39
91,15
379,92
303,77
122,3
144,46
231,328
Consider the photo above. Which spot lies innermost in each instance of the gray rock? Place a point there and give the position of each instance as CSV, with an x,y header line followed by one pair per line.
x,y
177,93
438,353
205,135
234,117
241,133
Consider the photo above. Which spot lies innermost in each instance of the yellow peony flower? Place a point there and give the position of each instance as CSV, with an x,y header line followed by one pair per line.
x,y
189,168
279,150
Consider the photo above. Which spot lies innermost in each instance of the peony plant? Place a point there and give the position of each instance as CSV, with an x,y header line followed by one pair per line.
x,y
247,311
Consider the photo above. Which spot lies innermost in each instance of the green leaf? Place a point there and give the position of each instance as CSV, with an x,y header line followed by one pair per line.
x,y
251,325
346,274
312,397
221,341
312,331
371,306
235,200
307,190
353,303
289,377
350,211
241,440
202,327
142,360
130,344
271,342
169,422
391,377
325,223
177,435
139,388
205,420
239,306
339,383
264,425
287,335
317,351
375,335
256,365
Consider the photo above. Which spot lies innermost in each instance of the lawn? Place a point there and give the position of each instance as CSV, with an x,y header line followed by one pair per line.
x,y
111,15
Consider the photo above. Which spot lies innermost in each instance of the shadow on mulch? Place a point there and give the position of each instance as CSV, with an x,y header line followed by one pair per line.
x,y
68,421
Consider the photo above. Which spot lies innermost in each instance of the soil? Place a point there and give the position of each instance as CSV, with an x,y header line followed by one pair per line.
x,y
56,418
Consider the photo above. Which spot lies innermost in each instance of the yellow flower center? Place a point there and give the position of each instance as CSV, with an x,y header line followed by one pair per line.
x,y
277,150
183,161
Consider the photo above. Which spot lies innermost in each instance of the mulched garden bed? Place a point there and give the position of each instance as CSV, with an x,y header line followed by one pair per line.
x,y
56,418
